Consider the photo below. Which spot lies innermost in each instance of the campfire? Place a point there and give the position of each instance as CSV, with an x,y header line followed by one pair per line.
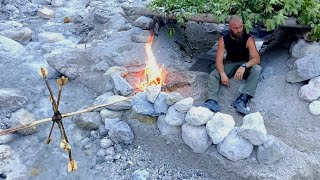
x,y
154,74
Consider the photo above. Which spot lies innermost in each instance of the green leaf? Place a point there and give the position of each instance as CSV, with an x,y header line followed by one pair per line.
x,y
270,24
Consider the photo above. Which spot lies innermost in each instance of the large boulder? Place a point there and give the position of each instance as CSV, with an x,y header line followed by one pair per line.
x,y
235,147
196,137
144,22
304,48
305,68
11,100
219,127
22,117
198,116
311,91
253,129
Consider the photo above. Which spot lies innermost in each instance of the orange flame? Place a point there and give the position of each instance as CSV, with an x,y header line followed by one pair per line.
x,y
154,74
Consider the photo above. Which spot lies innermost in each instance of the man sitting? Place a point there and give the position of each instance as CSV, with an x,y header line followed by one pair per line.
x,y
242,62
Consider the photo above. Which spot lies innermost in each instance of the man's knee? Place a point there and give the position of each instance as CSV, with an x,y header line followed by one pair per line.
x,y
256,69
215,74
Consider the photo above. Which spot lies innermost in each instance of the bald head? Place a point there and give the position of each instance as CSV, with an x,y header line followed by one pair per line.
x,y
236,27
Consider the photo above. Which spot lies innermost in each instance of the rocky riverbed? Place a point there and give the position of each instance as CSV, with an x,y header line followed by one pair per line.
x,y
103,52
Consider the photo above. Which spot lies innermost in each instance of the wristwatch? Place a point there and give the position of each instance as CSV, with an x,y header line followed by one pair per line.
x,y
244,65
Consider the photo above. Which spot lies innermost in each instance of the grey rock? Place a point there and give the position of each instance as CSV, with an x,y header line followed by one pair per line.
x,y
121,133
253,129
22,117
311,91
196,137
11,100
173,97
71,62
110,151
118,103
140,36
106,113
88,121
198,116
22,35
141,105
105,143
4,139
153,92
305,68
50,37
144,22
165,128
101,15
271,151
184,105
314,108
102,99
235,147
102,130
303,48
110,123
219,127
101,152
121,86
140,174
10,48
160,105
174,118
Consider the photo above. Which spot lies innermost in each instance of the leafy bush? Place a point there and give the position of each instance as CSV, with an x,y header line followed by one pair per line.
x,y
270,13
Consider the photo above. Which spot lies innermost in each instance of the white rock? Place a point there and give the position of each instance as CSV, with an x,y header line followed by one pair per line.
x,y
174,117
311,91
184,105
165,128
10,48
45,13
110,123
173,97
50,37
122,71
105,143
4,139
21,35
196,137
235,147
57,3
314,108
22,117
219,127
198,116
303,48
253,129
119,103
153,92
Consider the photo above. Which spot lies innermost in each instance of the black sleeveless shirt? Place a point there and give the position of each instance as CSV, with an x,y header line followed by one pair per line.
x,y
236,51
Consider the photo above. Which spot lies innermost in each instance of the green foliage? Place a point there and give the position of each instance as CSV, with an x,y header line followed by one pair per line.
x,y
270,13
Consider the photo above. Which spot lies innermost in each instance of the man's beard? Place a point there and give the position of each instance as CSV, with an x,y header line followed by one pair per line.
x,y
238,37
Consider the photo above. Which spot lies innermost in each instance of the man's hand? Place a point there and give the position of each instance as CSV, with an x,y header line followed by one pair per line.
x,y
239,74
225,79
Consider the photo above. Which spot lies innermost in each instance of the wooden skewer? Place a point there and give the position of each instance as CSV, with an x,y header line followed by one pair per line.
x,y
25,126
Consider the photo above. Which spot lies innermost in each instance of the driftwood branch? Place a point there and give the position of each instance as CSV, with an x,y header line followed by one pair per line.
x,y
205,18
14,129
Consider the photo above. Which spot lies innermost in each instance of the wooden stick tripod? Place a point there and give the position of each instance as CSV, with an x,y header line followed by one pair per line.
x,y
57,117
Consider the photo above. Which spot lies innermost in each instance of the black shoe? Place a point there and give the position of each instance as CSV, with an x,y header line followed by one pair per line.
x,y
212,105
240,104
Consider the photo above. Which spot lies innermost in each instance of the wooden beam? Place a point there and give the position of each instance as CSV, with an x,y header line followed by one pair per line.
x,y
204,18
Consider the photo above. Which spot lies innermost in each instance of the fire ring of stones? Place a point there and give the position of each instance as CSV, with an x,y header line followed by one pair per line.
x,y
198,126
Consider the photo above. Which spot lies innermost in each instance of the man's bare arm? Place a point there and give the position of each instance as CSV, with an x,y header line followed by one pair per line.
x,y
219,56
254,54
